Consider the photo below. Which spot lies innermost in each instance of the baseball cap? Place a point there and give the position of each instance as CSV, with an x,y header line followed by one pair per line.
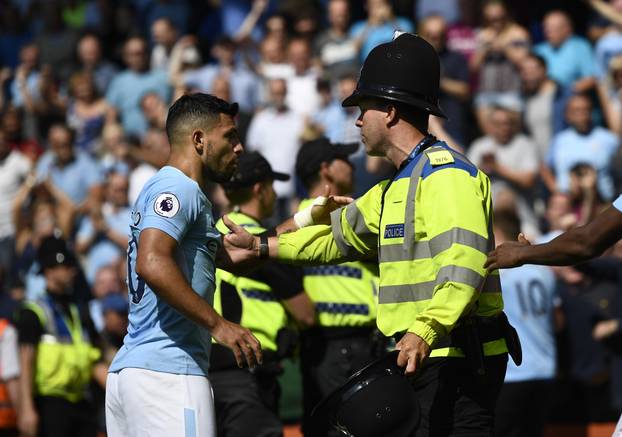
x,y
115,302
252,168
313,153
53,252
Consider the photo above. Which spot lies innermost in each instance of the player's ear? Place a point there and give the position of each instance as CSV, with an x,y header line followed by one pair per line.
x,y
199,141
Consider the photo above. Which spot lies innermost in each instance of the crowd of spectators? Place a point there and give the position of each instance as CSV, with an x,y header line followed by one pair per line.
x,y
85,86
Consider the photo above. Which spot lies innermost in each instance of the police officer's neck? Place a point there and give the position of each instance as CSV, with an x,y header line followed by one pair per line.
x,y
401,141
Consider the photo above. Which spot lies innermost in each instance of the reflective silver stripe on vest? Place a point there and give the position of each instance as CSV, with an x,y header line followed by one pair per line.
x,y
431,248
356,221
340,241
425,290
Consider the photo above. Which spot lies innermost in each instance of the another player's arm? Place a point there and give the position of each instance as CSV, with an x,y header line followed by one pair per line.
x,y
156,265
576,245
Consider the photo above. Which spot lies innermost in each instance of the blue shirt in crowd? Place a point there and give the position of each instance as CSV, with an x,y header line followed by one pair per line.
x,y
571,61
126,91
103,251
597,149
75,178
159,338
528,298
378,34
245,86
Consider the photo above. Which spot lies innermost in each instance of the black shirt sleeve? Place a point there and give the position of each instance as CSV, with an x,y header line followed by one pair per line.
x,y
285,280
29,329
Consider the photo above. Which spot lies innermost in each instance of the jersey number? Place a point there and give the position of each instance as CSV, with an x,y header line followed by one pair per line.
x,y
137,293
533,300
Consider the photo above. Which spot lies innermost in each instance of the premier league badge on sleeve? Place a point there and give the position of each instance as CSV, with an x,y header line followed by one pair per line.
x,y
166,205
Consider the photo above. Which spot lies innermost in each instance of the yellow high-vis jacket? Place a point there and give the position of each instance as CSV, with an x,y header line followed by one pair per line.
x,y
429,228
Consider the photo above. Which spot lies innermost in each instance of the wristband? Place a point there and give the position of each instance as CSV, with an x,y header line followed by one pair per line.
x,y
304,218
264,249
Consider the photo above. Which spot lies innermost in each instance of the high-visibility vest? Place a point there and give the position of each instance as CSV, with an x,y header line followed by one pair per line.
x,y
431,229
344,294
65,357
262,312
8,416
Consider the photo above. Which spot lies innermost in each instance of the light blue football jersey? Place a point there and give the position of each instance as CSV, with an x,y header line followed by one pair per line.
x,y
617,204
159,338
529,295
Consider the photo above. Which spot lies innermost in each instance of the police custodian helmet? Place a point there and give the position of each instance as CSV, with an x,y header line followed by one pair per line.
x,y
405,70
377,401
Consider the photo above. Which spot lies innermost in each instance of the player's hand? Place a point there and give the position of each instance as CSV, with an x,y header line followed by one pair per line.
x,y
321,213
507,255
413,351
28,422
241,341
240,245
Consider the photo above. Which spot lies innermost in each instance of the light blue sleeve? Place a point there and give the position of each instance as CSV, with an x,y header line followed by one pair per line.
x,y
171,205
549,159
617,204
93,173
587,60
113,93
86,229
357,28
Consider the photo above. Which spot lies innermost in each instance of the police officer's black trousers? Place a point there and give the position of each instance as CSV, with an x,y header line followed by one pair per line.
x,y
326,363
246,404
454,402
60,418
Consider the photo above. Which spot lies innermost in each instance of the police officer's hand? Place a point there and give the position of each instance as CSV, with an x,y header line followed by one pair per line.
x,y
27,422
321,213
241,341
413,351
507,255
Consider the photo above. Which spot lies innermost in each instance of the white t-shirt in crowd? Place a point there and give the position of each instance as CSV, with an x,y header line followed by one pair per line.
x,y
276,135
13,170
9,362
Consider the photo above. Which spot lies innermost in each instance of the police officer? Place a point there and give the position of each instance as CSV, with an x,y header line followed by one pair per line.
x,y
430,228
344,295
246,402
57,353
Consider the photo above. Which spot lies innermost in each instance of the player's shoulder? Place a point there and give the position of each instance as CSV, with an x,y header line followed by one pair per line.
x,y
169,190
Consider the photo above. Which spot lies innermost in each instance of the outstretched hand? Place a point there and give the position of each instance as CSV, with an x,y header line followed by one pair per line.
x,y
507,255
321,213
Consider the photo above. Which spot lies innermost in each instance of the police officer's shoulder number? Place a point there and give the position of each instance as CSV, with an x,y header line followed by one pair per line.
x,y
166,205
440,157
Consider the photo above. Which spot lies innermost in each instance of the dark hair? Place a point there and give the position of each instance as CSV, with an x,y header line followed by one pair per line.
x,y
239,196
195,109
508,223
414,116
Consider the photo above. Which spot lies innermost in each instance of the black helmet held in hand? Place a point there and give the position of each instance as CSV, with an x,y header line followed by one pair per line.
x,y
405,70
377,401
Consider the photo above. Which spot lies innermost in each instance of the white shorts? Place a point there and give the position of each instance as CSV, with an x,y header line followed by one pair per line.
x,y
144,403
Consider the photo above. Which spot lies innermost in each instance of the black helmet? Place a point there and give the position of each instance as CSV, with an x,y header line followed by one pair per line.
x,y
377,401
405,70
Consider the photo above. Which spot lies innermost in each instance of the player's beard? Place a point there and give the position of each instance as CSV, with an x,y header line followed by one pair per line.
x,y
219,176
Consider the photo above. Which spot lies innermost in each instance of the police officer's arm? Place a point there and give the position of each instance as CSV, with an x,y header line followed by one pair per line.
x,y
156,265
352,235
571,247
456,213
29,331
